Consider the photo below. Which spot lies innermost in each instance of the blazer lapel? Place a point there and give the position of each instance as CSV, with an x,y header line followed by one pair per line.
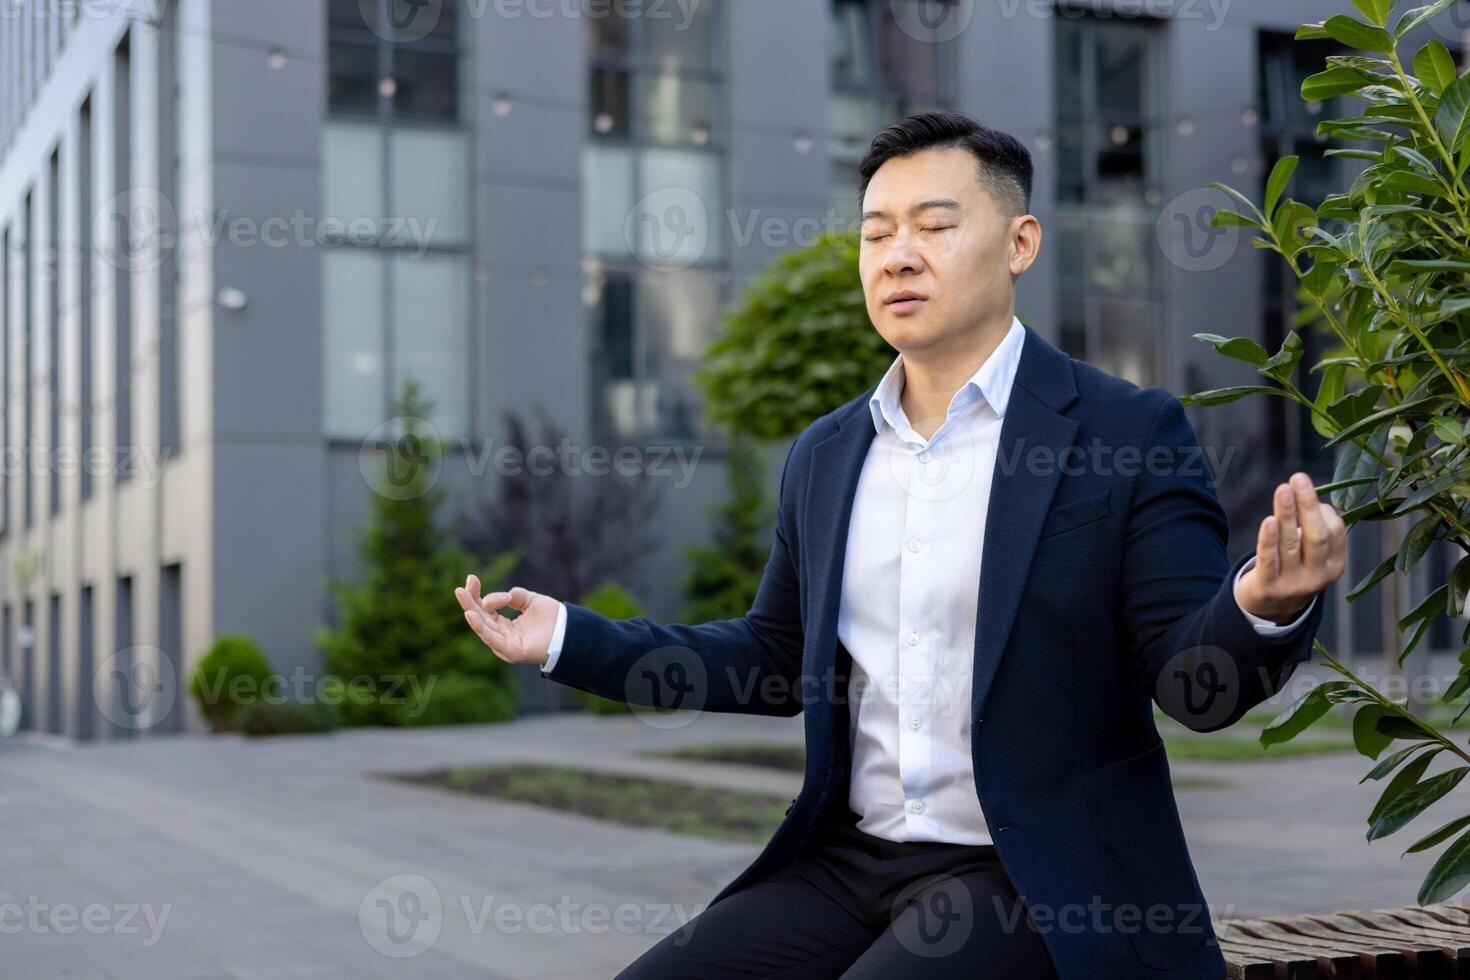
x,y
1020,495
837,462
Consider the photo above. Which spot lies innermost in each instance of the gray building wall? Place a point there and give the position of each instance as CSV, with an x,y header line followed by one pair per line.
x,y
256,505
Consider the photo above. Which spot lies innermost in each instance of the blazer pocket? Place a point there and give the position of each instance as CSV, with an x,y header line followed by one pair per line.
x,y
1076,513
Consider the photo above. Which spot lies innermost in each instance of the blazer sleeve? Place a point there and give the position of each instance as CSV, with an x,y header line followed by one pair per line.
x,y
1188,643
747,665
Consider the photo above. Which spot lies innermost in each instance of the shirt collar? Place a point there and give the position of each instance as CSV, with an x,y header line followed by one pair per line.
x,y
992,382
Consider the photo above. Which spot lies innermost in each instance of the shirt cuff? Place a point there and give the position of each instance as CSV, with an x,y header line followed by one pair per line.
x,y
1264,626
557,635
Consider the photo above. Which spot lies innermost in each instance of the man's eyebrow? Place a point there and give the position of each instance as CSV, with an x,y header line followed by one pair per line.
x,y
948,203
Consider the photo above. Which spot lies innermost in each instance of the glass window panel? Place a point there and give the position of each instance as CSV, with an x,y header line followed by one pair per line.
x,y
1069,69
681,208
616,323
431,334
1073,334
1122,70
352,172
678,316
430,187
680,37
609,34
677,109
352,77
352,316
1071,251
428,85
843,191
609,102
1127,333
607,198
854,121
352,15
1123,249
849,44
907,64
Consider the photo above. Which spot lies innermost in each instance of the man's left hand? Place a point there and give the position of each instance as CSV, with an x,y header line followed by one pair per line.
x,y
1301,549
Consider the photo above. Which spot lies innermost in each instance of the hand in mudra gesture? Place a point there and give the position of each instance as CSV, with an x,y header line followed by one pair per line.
x,y
523,640
1301,549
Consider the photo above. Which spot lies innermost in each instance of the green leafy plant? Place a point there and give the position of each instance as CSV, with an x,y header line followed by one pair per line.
x,y
457,699
402,621
799,345
233,675
1386,267
288,717
725,573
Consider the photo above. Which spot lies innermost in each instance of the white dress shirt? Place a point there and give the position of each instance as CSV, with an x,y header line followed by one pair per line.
x,y
910,595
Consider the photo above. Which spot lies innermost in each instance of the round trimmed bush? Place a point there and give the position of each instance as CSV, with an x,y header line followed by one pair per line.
x,y
233,674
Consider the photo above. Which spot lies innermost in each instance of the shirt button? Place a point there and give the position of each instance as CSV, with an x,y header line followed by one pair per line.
x,y
917,806
913,639
914,545
914,724
924,456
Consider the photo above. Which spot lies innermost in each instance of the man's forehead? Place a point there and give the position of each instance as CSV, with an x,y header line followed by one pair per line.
x,y
881,210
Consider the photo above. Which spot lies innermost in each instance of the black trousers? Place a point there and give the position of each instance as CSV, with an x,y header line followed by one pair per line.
x,y
861,907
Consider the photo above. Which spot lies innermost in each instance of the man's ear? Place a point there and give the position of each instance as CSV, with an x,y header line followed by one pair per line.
x,y
1025,243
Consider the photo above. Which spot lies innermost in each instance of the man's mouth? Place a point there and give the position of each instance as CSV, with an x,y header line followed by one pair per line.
x,y
905,302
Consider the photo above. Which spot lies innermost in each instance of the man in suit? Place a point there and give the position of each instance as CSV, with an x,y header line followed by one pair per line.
x,y
987,568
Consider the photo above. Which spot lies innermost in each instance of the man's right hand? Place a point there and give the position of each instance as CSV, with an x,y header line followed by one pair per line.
x,y
523,640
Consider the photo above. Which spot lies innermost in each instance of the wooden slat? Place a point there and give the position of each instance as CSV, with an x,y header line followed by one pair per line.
x,y
1414,943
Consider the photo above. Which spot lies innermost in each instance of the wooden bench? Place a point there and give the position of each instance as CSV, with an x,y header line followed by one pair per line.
x,y
1426,942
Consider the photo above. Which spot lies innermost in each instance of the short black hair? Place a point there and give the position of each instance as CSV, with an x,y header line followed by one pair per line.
x,y
1005,164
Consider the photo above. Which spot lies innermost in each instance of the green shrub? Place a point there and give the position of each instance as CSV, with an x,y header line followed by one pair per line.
x,y
277,717
614,602
401,622
457,699
724,575
232,675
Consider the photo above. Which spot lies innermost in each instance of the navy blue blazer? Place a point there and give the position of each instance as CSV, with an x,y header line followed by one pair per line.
x,y
1105,589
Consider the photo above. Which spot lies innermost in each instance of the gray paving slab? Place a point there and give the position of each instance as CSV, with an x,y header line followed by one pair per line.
x,y
292,857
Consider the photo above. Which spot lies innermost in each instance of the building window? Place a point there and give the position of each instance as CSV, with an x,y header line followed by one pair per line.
x,y
53,332
879,74
395,170
122,293
27,368
84,291
653,214
1288,125
1108,169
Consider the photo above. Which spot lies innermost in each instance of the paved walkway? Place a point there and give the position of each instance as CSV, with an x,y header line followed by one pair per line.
x,y
208,857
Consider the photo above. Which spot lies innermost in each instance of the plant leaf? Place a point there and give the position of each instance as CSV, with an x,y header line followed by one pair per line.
x,y
1419,15
1281,175
1453,115
1449,874
1414,801
1300,714
1368,739
1356,34
1238,348
1222,396
1439,836
1435,67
